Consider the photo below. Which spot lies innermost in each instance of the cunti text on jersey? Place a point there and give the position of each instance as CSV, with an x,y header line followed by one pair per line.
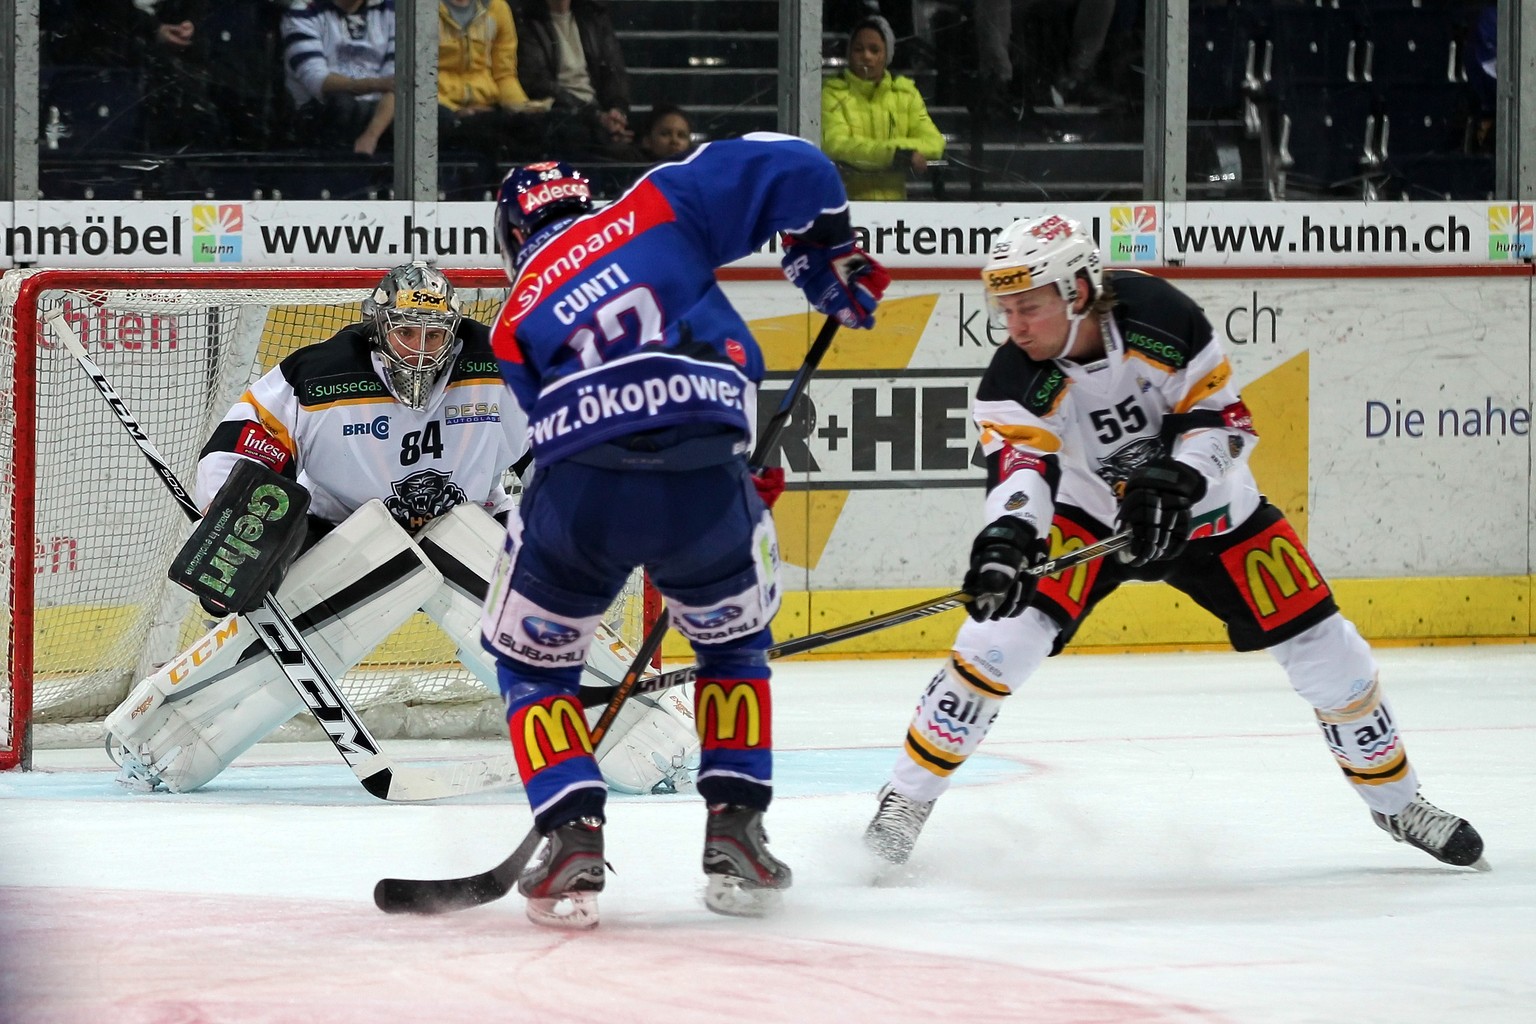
x,y
599,284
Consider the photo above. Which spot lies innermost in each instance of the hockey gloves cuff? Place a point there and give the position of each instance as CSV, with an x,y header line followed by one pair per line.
x,y
770,484
1158,497
999,586
841,281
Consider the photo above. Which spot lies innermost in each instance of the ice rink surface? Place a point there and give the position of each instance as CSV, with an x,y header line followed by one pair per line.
x,y
1143,838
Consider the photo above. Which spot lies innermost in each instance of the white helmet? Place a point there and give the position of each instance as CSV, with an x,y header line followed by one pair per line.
x,y
414,295
1040,251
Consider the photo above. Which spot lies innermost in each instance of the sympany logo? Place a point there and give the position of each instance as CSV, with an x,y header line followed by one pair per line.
x,y
547,633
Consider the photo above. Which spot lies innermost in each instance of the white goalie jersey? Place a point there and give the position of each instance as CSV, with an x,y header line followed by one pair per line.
x,y
325,417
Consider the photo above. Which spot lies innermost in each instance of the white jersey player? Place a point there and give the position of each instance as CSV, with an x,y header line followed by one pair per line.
x,y
402,431
1114,403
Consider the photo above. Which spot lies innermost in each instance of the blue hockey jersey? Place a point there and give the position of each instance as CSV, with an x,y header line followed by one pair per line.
x,y
616,323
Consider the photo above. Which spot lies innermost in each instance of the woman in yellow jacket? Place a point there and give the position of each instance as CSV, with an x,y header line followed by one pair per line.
x,y
875,124
481,102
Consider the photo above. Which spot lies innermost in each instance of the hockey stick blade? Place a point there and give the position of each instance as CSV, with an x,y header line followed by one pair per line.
x,y
440,896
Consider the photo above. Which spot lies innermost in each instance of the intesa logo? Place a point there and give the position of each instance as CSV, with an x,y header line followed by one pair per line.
x,y
217,232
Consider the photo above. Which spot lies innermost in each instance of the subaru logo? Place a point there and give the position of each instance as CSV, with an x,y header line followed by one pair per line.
x,y
713,619
549,634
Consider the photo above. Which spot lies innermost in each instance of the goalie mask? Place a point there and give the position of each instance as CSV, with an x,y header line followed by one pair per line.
x,y
532,198
415,316
1039,251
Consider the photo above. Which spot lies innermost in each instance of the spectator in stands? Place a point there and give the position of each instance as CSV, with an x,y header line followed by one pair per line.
x,y
1073,83
668,134
568,52
1480,66
160,38
875,125
341,71
481,105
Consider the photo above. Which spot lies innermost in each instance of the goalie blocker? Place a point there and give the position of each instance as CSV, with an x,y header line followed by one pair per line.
x,y
240,550
185,723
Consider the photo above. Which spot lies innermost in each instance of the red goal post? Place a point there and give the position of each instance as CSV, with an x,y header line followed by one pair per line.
x,y
90,529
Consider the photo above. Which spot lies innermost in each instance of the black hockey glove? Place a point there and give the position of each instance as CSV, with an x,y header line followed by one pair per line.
x,y
998,585
1158,497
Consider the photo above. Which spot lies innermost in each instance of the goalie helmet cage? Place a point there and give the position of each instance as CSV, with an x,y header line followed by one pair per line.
x,y
90,528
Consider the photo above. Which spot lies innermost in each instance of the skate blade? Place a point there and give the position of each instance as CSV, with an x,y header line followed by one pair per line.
x,y
736,897
574,911
1481,864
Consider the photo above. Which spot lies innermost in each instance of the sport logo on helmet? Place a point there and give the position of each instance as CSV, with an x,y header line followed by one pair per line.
x,y
1014,279
546,633
551,192
419,298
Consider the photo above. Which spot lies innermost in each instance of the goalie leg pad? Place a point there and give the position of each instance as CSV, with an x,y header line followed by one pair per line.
x,y
1331,667
186,723
653,744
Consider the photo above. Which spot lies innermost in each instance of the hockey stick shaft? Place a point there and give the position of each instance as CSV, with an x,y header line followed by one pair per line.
x,y
340,721
886,620
437,896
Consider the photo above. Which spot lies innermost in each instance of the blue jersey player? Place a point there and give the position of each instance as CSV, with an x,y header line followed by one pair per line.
x,y
640,380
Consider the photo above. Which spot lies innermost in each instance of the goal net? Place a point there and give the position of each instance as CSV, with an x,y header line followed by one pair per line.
x,y
90,529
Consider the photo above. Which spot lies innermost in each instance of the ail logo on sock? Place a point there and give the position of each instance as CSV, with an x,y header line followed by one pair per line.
x,y
734,714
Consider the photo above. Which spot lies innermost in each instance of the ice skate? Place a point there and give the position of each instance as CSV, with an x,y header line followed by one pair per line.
x,y
745,880
562,883
1441,834
895,827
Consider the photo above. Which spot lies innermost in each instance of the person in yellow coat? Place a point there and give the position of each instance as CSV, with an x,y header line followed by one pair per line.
x,y
481,104
874,124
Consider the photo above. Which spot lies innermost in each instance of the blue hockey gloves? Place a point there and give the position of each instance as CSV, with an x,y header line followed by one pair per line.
x,y
1158,497
998,585
841,281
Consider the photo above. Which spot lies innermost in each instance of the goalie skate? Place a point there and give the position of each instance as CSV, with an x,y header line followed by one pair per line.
x,y
562,884
1441,834
745,880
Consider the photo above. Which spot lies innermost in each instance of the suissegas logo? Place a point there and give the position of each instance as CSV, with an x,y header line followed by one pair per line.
x,y
547,633
218,232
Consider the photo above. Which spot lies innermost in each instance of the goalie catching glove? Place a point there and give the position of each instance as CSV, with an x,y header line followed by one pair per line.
x,y
1158,497
842,281
999,586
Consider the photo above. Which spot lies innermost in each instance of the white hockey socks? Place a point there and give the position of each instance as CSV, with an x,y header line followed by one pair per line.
x,y
953,716
1331,667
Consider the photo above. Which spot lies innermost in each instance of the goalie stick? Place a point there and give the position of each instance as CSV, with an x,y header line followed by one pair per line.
x,y
439,896
380,775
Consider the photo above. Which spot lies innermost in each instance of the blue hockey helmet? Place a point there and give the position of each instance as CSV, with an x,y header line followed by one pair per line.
x,y
534,196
